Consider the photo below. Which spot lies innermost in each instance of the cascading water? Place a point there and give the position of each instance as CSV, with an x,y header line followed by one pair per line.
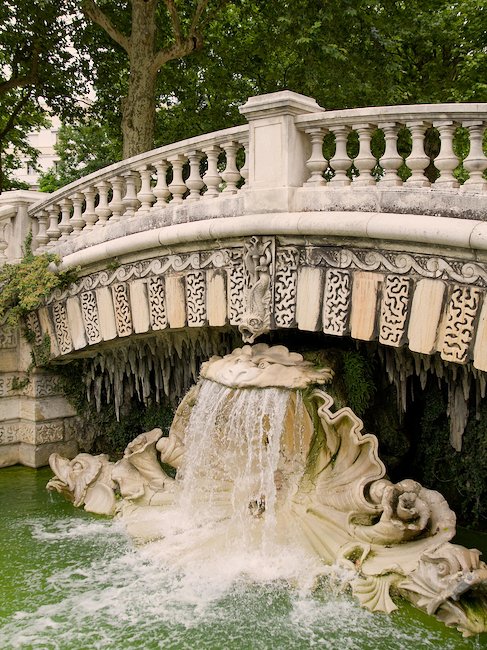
x,y
227,517
274,485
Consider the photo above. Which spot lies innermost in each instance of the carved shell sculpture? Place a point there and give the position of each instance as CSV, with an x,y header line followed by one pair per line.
x,y
395,537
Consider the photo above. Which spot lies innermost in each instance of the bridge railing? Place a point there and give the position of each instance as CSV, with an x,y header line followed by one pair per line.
x,y
427,131
196,169
292,156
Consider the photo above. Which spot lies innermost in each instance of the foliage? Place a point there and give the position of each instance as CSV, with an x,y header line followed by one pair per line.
x,y
359,381
82,148
100,431
459,476
37,75
25,285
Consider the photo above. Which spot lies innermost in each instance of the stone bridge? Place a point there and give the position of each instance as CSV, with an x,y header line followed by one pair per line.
x,y
253,228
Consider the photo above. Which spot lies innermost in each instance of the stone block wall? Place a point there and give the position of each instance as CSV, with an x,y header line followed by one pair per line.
x,y
35,418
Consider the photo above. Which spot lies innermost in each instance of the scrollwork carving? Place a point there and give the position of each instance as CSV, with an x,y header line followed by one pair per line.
x,y
157,305
123,316
394,310
285,287
61,328
336,302
196,298
89,312
459,327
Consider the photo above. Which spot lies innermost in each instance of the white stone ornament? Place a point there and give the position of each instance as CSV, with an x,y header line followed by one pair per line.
x,y
258,444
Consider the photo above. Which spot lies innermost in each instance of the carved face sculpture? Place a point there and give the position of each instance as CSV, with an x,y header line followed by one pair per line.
x,y
85,480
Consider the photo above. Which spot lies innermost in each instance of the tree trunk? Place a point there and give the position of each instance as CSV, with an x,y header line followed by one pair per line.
x,y
138,116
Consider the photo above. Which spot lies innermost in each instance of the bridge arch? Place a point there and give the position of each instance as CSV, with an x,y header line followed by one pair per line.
x,y
187,239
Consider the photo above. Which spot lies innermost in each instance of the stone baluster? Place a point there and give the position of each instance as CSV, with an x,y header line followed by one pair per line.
x,y
340,162
316,163
244,170
53,232
194,182
212,177
365,161
116,206
476,161
417,161
177,186
130,200
3,240
146,196
230,175
102,209
42,237
77,220
65,224
391,160
446,160
89,215
161,190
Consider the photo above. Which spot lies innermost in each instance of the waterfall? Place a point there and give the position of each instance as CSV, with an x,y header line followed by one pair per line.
x,y
232,452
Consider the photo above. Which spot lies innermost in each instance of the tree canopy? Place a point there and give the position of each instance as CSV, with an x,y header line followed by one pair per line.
x,y
162,70
38,74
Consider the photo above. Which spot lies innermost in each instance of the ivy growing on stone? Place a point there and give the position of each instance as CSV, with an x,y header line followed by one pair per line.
x,y
24,286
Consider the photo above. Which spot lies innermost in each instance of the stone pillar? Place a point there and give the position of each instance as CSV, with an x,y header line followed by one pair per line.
x,y
278,151
18,201
35,419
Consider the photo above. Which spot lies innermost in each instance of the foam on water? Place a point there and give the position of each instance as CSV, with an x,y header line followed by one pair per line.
x,y
223,576
124,599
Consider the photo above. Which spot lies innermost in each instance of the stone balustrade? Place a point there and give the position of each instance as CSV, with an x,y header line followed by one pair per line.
x,y
349,223
292,157
364,169
193,170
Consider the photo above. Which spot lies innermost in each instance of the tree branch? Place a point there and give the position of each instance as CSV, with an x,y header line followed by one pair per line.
x,y
13,115
200,7
28,79
176,23
183,46
93,12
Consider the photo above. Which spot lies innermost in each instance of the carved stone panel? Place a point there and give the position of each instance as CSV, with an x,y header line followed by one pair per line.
x,y
8,433
309,298
258,258
365,295
34,326
459,323
89,313
394,310
236,286
8,337
285,287
157,303
336,302
425,315
61,327
75,321
216,297
123,317
196,298
139,306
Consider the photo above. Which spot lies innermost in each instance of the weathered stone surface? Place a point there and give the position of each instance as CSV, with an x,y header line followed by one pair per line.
x,y
426,309
216,298
309,298
365,295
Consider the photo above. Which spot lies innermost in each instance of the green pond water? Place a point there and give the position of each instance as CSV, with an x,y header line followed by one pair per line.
x,y
73,581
